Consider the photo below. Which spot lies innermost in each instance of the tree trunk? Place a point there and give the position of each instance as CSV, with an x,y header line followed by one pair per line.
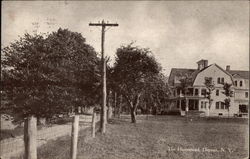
x,y
186,108
208,110
133,115
110,112
115,104
119,106
133,108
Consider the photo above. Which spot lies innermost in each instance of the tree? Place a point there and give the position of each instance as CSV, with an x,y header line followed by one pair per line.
x,y
78,68
210,87
228,93
22,75
46,75
133,66
185,82
156,94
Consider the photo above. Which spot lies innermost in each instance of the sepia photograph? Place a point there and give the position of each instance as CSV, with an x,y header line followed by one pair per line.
x,y
124,79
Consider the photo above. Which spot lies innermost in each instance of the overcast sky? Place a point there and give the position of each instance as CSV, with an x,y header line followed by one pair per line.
x,y
178,33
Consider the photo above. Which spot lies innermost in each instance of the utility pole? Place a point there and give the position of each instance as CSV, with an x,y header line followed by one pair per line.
x,y
104,90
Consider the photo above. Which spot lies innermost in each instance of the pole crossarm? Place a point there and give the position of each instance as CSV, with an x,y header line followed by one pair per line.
x,y
103,24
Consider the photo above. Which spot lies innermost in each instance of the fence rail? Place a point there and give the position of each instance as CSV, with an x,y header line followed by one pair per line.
x,y
15,146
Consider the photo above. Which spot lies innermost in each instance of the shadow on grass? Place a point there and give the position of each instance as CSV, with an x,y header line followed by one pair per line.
x,y
118,121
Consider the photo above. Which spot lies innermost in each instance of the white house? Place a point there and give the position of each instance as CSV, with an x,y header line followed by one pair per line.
x,y
196,99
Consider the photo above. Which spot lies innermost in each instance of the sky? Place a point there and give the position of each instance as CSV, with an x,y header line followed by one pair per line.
x,y
179,33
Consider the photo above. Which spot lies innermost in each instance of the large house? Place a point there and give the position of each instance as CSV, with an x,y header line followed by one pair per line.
x,y
196,95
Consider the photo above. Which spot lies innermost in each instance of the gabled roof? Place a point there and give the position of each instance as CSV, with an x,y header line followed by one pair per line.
x,y
242,74
192,73
182,72
225,72
179,72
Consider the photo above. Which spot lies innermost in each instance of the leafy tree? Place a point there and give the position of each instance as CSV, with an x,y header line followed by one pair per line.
x,y
157,92
185,82
210,87
77,66
133,66
47,75
228,93
22,75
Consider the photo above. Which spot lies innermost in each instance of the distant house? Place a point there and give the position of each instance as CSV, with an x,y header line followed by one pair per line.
x,y
241,88
196,99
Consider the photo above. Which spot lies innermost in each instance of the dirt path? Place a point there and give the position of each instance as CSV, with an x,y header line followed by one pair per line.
x,y
15,146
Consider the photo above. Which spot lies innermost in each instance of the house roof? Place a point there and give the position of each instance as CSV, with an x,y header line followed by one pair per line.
x,y
192,73
242,74
181,72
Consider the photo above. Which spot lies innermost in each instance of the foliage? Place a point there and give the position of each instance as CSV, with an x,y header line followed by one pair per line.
x,y
228,90
228,93
133,69
46,75
156,94
185,82
210,87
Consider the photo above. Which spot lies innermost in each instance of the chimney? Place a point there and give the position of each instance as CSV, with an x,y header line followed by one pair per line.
x,y
202,64
205,63
228,68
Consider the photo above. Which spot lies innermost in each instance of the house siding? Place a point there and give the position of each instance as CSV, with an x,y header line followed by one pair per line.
x,y
215,72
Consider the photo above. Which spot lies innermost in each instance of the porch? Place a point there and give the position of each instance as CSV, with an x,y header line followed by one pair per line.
x,y
193,104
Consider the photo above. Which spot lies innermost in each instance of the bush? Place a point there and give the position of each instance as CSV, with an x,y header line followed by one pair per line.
x,y
171,112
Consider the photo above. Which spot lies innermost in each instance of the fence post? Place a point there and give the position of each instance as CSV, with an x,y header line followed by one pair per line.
x,y
30,133
93,124
74,136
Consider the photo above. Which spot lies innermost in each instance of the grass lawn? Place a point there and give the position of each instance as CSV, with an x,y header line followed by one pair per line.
x,y
158,137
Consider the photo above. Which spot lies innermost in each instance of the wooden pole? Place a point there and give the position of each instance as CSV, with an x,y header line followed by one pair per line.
x,y
104,89
74,137
93,124
30,133
104,93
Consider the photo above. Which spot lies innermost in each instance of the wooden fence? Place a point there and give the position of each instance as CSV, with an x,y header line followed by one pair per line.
x,y
15,146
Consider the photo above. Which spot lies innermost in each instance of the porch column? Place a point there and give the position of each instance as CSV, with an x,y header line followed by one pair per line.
x,y
180,104
187,105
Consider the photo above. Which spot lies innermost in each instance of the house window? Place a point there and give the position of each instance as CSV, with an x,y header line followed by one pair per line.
x,y
235,82
190,91
203,92
201,105
243,108
240,83
205,105
217,92
246,94
196,92
217,105
222,106
222,80
218,80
